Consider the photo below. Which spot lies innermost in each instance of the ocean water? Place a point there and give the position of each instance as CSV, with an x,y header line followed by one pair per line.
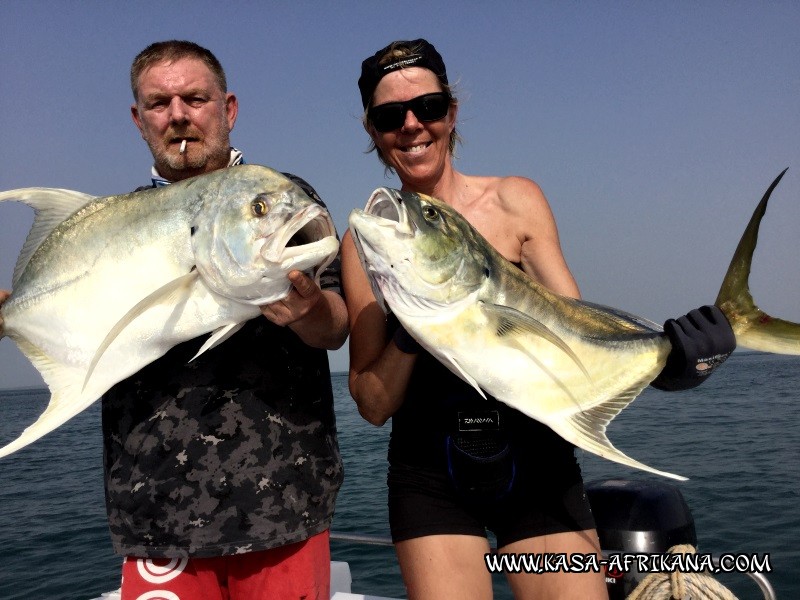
x,y
737,437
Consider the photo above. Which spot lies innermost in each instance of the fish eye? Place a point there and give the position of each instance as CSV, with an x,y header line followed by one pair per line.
x,y
259,207
430,213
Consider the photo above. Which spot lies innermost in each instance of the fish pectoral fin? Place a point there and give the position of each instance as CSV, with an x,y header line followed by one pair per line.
x,y
512,322
219,336
587,430
176,291
451,363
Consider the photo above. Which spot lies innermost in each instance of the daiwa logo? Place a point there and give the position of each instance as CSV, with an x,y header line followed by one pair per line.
x,y
478,420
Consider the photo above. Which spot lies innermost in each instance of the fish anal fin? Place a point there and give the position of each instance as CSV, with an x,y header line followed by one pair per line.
x,y
587,430
167,293
62,407
66,398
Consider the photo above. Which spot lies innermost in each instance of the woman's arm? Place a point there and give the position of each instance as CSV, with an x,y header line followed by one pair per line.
x,y
379,370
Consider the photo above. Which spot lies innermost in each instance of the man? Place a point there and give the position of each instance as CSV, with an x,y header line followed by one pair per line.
x,y
221,473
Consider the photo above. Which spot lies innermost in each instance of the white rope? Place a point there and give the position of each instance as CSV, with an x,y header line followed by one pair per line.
x,y
679,585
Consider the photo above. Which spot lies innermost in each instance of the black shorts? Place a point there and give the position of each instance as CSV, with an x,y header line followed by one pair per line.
x,y
424,502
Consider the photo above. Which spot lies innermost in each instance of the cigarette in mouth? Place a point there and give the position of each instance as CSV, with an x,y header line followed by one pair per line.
x,y
183,146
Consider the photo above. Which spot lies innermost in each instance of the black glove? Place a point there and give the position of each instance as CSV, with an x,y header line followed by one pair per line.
x,y
701,341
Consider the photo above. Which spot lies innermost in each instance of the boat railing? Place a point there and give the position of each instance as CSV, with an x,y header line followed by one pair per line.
x,y
361,538
376,540
761,581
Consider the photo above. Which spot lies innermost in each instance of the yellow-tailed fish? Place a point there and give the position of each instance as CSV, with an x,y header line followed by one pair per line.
x,y
569,364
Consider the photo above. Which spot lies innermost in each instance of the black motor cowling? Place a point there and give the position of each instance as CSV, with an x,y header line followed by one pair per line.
x,y
643,517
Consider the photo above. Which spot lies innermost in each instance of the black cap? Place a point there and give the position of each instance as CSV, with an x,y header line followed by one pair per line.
x,y
424,55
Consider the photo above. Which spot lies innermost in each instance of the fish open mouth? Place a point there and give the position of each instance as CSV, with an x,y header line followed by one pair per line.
x,y
385,209
307,242
385,205
314,230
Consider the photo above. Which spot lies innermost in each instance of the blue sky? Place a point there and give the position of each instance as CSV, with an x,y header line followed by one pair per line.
x,y
653,127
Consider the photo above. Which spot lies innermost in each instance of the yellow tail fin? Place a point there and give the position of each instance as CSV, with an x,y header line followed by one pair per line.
x,y
753,327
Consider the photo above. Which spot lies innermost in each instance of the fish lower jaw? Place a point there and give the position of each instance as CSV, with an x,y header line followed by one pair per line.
x,y
301,257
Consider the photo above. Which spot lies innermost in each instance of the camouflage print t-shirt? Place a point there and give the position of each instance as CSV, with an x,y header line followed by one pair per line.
x,y
233,452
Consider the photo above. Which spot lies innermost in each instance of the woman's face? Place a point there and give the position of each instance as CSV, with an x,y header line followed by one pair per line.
x,y
418,151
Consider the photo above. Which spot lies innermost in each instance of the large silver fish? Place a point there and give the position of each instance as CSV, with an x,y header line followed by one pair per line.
x,y
569,364
104,286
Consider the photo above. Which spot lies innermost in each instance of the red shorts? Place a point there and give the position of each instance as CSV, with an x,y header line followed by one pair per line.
x,y
293,572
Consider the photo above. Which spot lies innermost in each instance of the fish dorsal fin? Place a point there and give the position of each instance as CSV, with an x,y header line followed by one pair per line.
x,y
587,430
622,318
511,321
52,206
220,335
175,292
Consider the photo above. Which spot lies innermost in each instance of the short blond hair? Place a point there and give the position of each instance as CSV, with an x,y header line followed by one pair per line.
x,y
170,51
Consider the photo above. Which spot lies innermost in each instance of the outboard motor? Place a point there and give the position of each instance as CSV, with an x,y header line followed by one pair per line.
x,y
643,517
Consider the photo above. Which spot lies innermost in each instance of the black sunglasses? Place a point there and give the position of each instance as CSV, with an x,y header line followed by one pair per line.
x,y
392,115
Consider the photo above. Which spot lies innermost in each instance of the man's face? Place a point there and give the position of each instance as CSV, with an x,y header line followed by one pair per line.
x,y
180,101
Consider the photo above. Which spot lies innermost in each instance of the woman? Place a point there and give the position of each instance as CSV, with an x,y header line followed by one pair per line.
x,y
449,482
